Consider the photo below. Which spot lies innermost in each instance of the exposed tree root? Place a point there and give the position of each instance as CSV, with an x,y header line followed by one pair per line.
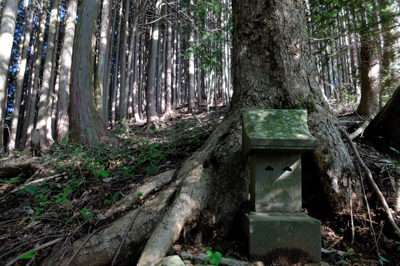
x,y
102,246
153,184
193,197
361,129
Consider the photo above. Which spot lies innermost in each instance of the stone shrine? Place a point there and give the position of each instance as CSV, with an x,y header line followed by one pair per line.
x,y
275,140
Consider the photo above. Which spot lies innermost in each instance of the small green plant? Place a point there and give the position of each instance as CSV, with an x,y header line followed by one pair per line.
x,y
31,189
28,255
114,197
398,245
87,215
139,194
214,258
382,260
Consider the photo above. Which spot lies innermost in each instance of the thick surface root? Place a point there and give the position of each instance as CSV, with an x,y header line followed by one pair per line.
x,y
153,184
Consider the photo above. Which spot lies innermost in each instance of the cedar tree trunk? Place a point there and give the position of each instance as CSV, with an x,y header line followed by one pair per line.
x,y
85,121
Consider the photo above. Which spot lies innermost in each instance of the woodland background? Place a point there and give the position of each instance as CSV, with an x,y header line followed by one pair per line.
x,y
110,93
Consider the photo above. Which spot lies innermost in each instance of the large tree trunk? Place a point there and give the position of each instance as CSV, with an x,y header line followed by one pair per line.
x,y
85,121
386,123
9,18
272,69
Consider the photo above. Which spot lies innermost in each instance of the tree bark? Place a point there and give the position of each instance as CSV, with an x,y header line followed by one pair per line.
x,y
101,89
20,77
152,118
29,122
191,83
85,121
116,65
370,77
65,72
168,66
386,123
8,20
124,91
45,93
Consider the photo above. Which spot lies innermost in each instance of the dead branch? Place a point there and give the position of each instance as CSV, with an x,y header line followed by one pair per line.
x,y
373,184
369,211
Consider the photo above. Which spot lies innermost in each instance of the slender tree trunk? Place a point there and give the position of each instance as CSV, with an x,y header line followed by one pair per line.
x,y
191,83
84,118
20,80
152,118
168,71
124,91
131,62
116,66
8,21
136,85
65,72
101,89
45,92
178,69
30,125
54,86
160,74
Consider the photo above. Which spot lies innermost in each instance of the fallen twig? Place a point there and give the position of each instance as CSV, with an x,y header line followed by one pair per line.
x,y
335,242
369,211
373,184
351,214
35,249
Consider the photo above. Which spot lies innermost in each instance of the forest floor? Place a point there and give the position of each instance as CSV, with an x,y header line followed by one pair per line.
x,y
61,195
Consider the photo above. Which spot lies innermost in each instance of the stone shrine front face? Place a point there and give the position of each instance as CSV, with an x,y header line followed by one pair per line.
x,y
275,182
275,140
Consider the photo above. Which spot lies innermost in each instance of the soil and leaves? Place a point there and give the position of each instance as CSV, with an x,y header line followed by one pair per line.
x,y
66,191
